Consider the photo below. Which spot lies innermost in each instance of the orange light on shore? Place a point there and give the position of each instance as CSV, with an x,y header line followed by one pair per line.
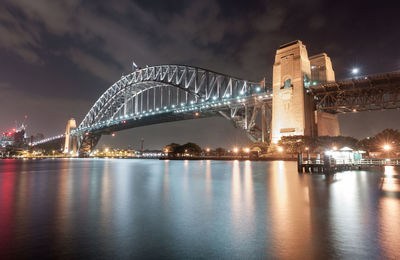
x,y
280,149
196,114
246,150
386,147
208,150
113,134
235,150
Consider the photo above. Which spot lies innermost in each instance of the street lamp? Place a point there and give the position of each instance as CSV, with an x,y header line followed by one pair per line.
x,y
280,149
355,71
246,150
235,150
386,147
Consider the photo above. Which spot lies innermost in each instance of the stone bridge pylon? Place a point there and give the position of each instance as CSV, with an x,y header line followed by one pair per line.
x,y
293,110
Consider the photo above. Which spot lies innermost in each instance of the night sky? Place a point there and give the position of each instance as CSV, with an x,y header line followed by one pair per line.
x,y
58,57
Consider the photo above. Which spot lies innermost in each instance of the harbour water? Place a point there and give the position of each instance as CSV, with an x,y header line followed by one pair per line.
x,y
122,209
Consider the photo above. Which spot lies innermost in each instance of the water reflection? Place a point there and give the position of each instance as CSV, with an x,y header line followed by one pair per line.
x,y
389,210
204,209
289,211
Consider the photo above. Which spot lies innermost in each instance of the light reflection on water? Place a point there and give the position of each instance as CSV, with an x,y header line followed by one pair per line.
x,y
206,209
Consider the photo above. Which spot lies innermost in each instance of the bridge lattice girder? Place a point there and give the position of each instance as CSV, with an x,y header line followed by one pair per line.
x,y
163,87
375,92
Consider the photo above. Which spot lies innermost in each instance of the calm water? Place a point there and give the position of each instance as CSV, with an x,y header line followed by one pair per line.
x,y
121,209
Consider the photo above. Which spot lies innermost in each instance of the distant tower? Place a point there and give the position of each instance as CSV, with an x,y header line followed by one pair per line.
x,y
292,109
70,142
322,72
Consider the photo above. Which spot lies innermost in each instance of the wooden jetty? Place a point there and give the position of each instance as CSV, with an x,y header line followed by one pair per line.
x,y
330,165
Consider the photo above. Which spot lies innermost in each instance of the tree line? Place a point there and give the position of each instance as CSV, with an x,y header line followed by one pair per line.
x,y
295,144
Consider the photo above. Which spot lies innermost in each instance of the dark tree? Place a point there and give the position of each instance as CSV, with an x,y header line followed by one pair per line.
x,y
220,151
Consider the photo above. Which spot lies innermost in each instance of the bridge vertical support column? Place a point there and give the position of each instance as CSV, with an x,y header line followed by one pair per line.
x,y
263,123
125,101
245,117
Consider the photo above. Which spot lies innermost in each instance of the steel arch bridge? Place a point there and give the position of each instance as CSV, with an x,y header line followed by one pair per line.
x,y
166,93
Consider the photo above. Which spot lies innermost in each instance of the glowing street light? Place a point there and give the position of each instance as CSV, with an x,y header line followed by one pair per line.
x,y
355,71
246,150
280,149
386,147
334,148
235,150
208,150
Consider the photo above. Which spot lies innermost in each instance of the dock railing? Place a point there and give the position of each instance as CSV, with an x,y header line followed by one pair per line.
x,y
329,164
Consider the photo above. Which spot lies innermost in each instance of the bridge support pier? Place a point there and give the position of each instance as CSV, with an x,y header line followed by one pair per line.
x,y
70,145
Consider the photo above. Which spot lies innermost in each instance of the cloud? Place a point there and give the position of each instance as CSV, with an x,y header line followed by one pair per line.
x,y
17,37
93,65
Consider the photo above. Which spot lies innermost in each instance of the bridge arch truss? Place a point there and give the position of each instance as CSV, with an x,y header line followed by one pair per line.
x,y
164,88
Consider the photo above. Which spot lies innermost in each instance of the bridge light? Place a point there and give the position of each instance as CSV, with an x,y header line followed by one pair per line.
x,y
157,109
150,110
227,95
202,100
214,97
241,92
182,104
173,106
192,102
165,107
258,89
355,71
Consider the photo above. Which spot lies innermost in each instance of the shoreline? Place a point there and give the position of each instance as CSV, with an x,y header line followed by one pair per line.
x,y
197,158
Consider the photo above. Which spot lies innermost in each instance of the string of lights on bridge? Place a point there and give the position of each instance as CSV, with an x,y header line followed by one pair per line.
x,y
177,109
213,103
